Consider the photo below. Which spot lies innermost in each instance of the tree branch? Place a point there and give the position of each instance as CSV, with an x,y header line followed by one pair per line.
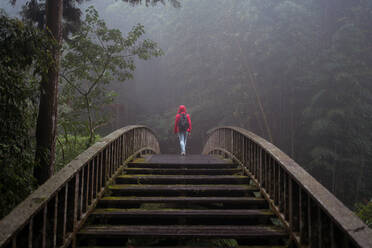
x,y
73,85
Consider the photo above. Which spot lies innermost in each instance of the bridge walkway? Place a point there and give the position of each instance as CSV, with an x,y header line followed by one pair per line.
x,y
118,193
182,201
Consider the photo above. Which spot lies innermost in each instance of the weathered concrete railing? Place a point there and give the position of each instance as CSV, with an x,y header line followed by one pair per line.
x,y
51,216
312,215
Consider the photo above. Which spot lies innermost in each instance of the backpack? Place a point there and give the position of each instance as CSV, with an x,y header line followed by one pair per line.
x,y
183,123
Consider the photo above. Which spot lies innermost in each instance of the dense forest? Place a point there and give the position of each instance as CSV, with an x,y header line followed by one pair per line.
x,y
296,72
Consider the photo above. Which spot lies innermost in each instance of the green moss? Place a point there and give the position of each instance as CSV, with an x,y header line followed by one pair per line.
x,y
277,222
364,212
266,212
257,194
118,197
38,200
127,176
153,206
139,160
105,210
108,192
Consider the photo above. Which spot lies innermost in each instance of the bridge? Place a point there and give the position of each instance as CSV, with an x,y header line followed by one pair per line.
x,y
242,190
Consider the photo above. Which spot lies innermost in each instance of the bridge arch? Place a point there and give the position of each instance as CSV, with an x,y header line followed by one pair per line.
x,y
54,213
311,214
51,215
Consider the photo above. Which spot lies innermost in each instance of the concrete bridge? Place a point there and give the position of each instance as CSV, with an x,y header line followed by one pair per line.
x,y
242,191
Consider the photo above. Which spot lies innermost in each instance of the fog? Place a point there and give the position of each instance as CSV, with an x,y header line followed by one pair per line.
x,y
297,73
201,64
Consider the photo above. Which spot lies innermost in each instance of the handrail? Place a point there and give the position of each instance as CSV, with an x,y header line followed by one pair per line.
x,y
312,215
52,215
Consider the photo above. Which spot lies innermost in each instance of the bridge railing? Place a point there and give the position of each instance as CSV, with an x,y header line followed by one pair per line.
x,y
51,216
312,215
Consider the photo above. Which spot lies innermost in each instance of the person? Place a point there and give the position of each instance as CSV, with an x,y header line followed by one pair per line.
x,y
182,127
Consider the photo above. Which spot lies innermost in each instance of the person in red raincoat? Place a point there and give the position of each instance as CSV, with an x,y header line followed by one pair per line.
x,y
182,127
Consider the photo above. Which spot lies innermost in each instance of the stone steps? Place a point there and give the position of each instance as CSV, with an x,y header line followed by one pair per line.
x,y
182,171
235,202
182,166
182,190
182,179
178,204
183,216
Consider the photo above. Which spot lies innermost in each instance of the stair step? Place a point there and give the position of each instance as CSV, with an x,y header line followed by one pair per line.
x,y
181,203
240,246
125,213
176,216
182,171
182,166
184,179
242,202
182,190
197,231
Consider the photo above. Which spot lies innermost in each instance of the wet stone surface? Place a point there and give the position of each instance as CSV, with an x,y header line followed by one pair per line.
x,y
188,159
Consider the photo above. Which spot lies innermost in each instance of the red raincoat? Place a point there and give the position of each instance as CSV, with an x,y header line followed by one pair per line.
x,y
181,109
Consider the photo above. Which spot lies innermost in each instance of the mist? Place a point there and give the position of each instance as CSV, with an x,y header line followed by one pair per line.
x,y
297,73
294,72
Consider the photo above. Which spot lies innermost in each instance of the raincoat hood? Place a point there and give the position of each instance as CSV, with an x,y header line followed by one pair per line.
x,y
182,109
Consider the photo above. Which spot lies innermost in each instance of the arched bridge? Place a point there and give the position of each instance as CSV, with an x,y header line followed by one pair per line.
x,y
242,191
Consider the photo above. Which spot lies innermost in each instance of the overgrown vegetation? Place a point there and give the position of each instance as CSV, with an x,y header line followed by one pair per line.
x,y
364,211
94,56
22,61
69,146
295,72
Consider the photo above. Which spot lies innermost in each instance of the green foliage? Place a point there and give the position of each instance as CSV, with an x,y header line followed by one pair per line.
x,y
22,61
93,58
364,211
175,3
69,146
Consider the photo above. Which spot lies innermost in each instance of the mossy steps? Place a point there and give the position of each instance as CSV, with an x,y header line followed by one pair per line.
x,y
182,205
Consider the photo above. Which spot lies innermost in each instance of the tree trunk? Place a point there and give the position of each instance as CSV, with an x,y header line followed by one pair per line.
x,y
46,126
90,121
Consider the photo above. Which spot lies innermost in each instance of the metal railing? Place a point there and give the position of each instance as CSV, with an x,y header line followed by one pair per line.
x,y
52,215
311,214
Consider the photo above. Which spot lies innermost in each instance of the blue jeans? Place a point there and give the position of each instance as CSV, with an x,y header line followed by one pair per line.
x,y
183,139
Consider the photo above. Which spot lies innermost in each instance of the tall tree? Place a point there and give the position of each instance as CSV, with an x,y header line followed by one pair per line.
x,y
46,126
23,59
95,56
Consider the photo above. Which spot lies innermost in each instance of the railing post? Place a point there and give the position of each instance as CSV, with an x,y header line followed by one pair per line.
x,y
51,215
293,206
44,229
304,218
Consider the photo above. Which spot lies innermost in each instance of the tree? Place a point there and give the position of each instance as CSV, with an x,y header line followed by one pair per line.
x,y
34,11
312,64
46,127
175,3
95,56
24,58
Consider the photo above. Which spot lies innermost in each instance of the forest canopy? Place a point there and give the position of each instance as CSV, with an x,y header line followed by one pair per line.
x,y
26,58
